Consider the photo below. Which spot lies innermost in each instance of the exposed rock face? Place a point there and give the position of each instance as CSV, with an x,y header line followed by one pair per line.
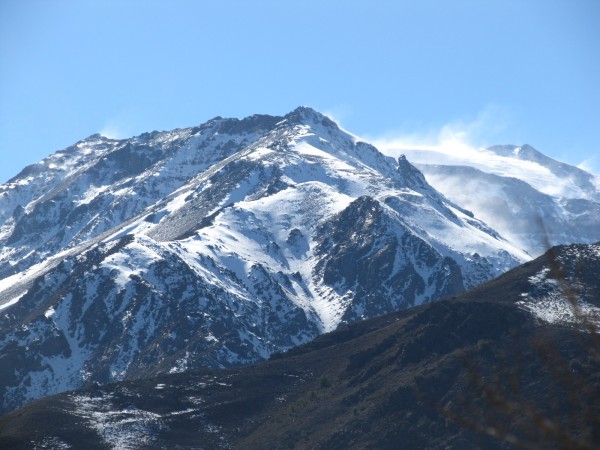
x,y
369,259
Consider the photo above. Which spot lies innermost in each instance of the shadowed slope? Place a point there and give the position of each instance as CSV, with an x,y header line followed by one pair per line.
x,y
480,369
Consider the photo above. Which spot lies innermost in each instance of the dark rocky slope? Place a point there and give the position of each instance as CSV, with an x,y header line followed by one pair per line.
x,y
481,370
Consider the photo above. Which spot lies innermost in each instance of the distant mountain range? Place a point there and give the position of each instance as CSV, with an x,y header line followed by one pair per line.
x,y
532,200
222,244
486,369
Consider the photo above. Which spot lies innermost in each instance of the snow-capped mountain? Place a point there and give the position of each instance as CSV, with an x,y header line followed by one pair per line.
x,y
215,246
532,200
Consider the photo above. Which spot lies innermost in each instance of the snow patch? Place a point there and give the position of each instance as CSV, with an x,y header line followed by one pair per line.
x,y
121,429
556,309
549,303
50,312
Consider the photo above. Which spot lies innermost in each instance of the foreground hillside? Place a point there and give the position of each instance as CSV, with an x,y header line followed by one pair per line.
x,y
512,363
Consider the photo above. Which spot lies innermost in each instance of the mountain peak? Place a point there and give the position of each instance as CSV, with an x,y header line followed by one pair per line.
x,y
305,115
523,152
413,176
96,137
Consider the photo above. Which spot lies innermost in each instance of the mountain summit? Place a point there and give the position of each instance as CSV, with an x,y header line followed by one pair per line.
x,y
214,246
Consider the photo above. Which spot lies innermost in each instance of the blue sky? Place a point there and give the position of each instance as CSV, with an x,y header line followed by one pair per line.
x,y
502,71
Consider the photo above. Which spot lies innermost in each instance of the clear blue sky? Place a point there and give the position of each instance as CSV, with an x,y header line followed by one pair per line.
x,y
508,71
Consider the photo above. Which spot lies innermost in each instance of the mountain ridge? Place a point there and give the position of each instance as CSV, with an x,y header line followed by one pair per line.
x,y
217,245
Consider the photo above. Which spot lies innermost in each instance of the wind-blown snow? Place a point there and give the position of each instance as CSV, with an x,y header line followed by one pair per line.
x,y
510,165
533,201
